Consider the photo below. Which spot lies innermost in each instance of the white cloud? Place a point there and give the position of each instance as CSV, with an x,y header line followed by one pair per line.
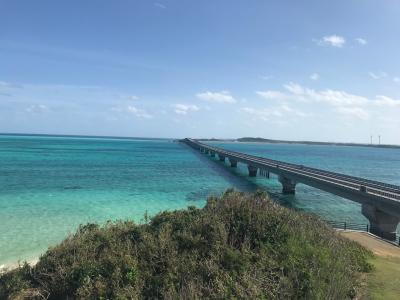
x,y
379,75
356,112
263,114
160,5
361,41
266,77
8,85
138,112
342,102
314,76
37,109
396,79
275,95
183,109
332,40
221,97
387,101
130,97
272,113
332,97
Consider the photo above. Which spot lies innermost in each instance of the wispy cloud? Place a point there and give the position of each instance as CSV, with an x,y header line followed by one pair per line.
x,y
361,41
386,101
8,85
332,97
396,79
129,97
343,102
332,40
37,109
356,112
183,109
6,88
379,75
314,76
266,77
160,5
133,110
221,97
272,95
270,113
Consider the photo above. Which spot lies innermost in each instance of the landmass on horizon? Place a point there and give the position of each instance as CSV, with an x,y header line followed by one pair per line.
x,y
272,141
240,140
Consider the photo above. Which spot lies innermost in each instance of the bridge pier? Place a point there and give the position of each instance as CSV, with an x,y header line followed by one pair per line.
x,y
233,162
288,185
252,170
382,224
221,157
212,154
264,173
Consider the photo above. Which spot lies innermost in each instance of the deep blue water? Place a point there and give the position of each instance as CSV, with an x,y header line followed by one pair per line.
x,y
49,185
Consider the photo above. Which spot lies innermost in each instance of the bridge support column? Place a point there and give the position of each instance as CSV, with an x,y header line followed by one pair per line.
x,y
212,154
221,157
288,185
382,224
233,162
252,170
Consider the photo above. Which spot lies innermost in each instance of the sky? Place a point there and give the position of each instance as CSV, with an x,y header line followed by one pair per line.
x,y
298,70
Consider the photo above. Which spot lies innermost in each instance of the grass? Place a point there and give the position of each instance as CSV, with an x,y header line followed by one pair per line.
x,y
384,282
237,247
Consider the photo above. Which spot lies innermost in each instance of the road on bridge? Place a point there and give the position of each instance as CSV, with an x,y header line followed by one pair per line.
x,y
380,201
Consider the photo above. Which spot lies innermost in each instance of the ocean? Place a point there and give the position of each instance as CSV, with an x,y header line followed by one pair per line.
x,y
51,184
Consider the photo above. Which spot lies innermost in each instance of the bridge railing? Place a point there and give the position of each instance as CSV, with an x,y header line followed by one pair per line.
x,y
333,174
366,185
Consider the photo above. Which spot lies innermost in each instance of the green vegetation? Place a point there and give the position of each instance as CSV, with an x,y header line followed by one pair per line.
x,y
238,246
384,282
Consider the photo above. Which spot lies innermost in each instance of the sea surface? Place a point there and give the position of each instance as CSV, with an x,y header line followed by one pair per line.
x,y
51,184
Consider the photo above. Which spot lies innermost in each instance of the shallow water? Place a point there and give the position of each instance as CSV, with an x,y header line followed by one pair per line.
x,y
49,185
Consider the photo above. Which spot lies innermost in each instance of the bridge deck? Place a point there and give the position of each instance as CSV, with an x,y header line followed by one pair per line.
x,y
370,187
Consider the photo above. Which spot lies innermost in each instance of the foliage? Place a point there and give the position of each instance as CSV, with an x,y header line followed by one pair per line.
x,y
237,246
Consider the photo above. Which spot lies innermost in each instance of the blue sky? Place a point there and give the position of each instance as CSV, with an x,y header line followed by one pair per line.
x,y
302,70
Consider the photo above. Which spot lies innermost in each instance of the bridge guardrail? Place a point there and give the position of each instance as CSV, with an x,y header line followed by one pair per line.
x,y
354,183
372,187
350,177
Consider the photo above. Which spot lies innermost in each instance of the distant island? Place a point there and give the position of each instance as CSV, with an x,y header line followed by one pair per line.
x,y
271,141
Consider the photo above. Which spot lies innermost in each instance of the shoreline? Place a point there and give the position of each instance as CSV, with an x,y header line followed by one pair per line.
x,y
6,267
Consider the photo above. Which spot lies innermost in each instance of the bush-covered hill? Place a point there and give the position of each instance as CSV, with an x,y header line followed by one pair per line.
x,y
237,246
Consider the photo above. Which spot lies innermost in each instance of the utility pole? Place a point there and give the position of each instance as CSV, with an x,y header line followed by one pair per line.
x,y
371,139
379,139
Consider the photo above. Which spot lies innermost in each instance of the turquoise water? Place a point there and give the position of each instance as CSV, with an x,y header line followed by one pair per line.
x,y
49,185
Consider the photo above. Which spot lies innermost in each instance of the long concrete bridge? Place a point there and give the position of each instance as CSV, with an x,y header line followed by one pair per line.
x,y
380,201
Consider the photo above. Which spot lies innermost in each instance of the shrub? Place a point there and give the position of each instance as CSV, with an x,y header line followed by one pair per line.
x,y
237,246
